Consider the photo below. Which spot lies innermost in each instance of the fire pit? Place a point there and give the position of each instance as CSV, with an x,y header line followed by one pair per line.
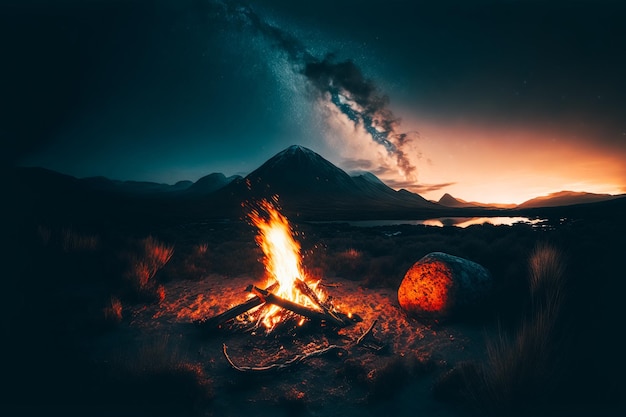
x,y
291,299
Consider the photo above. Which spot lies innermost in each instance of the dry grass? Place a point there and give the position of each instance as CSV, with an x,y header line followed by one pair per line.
x,y
158,379
113,311
73,241
201,249
153,256
523,371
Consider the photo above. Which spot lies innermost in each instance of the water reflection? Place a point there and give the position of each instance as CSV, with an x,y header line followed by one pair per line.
x,y
450,221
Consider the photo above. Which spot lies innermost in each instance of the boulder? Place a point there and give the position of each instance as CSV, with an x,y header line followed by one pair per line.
x,y
441,286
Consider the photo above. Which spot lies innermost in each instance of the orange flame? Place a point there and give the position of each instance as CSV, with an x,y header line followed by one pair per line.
x,y
282,260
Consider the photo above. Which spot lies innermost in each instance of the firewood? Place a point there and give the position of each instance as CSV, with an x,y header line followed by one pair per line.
x,y
294,307
279,366
360,339
231,313
306,290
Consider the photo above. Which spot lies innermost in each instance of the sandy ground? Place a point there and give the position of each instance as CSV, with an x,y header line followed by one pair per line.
x,y
347,381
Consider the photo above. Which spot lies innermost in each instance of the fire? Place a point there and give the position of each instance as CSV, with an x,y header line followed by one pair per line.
x,y
282,260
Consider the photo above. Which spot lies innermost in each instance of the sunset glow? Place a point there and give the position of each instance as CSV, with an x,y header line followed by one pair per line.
x,y
490,164
504,166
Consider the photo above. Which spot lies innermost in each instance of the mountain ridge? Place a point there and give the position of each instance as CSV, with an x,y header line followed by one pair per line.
x,y
304,180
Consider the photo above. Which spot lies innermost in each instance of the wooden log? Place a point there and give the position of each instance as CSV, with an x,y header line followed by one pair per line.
x,y
294,307
279,366
215,321
306,290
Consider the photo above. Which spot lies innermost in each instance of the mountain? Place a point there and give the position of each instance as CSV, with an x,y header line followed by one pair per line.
x,y
448,201
308,184
133,187
211,183
566,198
298,170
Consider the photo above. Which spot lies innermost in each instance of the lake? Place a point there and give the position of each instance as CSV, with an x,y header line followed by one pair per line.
x,y
447,221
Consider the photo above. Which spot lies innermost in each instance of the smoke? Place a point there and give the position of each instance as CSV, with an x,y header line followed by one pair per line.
x,y
343,86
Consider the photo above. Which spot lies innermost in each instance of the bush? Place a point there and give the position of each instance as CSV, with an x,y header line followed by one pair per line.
x,y
153,255
523,371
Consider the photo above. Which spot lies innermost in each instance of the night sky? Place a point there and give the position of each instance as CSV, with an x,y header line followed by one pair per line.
x,y
490,101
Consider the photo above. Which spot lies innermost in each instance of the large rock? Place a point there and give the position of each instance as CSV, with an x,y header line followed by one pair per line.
x,y
441,286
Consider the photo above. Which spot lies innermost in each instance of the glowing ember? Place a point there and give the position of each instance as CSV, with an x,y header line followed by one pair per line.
x,y
282,261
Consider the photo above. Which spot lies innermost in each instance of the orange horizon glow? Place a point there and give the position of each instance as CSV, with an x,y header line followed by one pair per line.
x,y
513,166
498,165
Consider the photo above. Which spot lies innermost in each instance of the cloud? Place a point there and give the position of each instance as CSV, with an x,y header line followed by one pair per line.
x,y
349,164
418,188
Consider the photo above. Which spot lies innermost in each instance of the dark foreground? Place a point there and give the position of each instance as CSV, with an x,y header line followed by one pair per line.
x,y
97,317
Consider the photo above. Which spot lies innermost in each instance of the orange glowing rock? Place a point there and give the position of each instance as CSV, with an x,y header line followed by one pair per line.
x,y
440,285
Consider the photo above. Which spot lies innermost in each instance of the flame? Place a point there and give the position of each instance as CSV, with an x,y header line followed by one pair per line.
x,y
282,260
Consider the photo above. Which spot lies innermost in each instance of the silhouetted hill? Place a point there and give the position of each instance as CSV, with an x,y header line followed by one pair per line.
x,y
308,184
211,183
133,187
449,201
298,170
308,187
566,198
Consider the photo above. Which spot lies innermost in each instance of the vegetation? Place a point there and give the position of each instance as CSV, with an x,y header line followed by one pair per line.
x,y
558,306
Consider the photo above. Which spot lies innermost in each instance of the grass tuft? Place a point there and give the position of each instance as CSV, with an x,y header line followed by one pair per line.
x,y
153,256
524,370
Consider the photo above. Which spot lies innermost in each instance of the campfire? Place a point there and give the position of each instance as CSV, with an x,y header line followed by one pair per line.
x,y
290,298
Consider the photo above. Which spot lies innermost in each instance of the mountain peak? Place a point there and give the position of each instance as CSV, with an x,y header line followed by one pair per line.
x,y
299,170
449,201
296,148
297,151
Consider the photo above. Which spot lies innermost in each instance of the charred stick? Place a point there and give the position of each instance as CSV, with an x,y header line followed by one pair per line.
x,y
306,290
270,298
231,313
278,366
360,339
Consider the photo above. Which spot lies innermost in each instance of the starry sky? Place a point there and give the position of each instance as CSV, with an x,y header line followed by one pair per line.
x,y
496,101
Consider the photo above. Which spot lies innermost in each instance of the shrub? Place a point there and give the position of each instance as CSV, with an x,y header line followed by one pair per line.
x,y
143,267
156,379
523,370
113,312
73,241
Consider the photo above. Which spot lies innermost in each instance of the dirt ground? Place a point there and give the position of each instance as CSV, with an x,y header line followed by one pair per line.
x,y
350,380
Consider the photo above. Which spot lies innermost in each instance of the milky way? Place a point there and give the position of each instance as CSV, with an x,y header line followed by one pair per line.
x,y
511,99
340,83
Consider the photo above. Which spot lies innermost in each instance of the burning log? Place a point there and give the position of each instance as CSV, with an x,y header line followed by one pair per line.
x,y
309,313
215,321
306,290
